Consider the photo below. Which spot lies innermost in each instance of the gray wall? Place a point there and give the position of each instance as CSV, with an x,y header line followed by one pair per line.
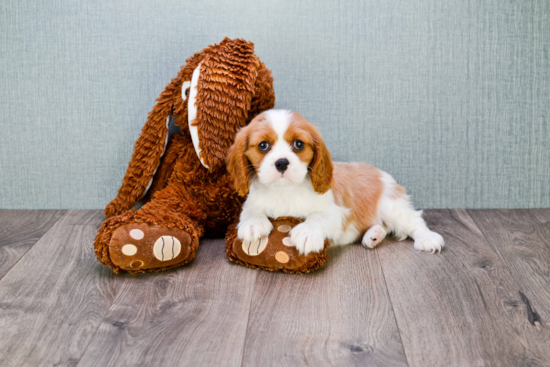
x,y
450,97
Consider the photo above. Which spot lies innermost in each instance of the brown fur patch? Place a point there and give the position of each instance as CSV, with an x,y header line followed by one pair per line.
x,y
301,129
259,133
237,164
358,186
321,162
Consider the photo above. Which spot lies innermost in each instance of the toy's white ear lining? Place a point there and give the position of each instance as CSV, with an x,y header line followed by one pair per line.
x,y
184,88
192,111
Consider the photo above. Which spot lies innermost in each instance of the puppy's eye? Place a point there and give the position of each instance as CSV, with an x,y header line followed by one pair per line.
x,y
187,92
298,144
263,146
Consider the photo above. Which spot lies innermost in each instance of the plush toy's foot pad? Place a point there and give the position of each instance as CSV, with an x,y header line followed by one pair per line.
x,y
274,252
142,247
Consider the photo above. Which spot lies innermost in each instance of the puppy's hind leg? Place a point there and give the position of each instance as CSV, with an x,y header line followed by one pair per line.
x,y
374,236
401,219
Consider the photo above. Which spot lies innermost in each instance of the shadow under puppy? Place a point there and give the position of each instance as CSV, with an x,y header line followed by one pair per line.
x,y
281,161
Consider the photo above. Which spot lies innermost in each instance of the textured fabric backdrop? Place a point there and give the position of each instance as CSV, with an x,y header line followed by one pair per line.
x,y
451,97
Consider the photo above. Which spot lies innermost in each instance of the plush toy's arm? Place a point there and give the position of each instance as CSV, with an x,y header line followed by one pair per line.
x,y
148,151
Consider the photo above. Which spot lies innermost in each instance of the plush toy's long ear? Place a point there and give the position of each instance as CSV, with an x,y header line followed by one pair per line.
x,y
321,165
264,94
225,89
148,151
237,164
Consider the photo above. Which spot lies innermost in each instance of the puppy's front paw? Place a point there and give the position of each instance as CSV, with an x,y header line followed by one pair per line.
x,y
254,228
428,241
307,238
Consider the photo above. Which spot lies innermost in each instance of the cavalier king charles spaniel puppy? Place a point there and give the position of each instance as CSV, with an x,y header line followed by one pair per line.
x,y
282,163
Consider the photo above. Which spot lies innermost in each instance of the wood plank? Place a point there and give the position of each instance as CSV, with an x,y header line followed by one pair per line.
x,y
522,240
340,316
542,215
53,299
191,316
460,307
19,231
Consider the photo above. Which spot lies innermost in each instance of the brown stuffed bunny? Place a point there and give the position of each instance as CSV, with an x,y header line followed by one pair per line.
x,y
183,179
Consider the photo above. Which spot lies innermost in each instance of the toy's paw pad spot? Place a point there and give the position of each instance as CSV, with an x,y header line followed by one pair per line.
x,y
282,257
136,264
129,250
136,234
167,248
287,241
284,228
254,248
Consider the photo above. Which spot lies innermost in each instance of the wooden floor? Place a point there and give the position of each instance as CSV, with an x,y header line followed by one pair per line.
x,y
485,300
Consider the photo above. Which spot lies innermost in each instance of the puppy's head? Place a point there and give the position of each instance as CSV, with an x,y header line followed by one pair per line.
x,y
279,148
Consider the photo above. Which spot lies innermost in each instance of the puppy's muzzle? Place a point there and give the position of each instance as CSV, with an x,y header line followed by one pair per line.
x,y
282,164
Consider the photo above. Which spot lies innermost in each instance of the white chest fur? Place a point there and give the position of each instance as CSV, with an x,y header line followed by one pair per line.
x,y
293,200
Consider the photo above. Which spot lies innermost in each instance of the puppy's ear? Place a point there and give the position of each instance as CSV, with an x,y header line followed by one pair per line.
x,y
237,163
321,165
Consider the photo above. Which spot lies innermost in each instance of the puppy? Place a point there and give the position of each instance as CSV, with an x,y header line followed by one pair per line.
x,y
281,161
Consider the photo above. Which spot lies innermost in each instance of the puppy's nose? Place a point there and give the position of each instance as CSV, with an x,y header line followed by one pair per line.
x,y
281,164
